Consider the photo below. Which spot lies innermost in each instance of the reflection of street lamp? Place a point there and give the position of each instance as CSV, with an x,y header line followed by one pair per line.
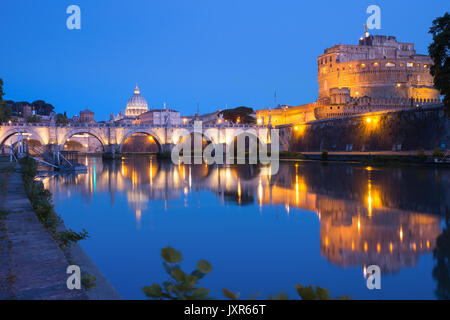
x,y
238,120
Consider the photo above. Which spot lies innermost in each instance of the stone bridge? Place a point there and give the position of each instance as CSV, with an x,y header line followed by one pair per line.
x,y
112,137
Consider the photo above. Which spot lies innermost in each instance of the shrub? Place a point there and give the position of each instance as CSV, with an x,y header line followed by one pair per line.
x,y
438,153
421,155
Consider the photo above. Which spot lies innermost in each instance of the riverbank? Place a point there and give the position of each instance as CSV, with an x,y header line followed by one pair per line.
x,y
368,158
33,263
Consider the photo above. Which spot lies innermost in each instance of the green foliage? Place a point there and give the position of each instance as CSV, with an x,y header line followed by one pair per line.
x,y
33,119
439,51
312,293
88,281
61,118
183,286
230,294
180,285
41,201
5,110
421,155
241,113
68,237
438,153
324,155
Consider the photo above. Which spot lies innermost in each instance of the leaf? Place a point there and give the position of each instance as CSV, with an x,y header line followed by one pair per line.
x,y
322,294
281,296
178,274
153,291
171,255
204,266
201,293
306,293
230,295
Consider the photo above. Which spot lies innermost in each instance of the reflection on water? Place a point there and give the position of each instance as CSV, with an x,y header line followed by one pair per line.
x,y
389,217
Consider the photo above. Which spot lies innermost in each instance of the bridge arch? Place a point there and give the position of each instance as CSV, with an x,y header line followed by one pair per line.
x,y
148,132
71,133
13,131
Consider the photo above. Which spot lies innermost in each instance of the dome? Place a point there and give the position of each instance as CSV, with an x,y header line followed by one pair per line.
x,y
136,104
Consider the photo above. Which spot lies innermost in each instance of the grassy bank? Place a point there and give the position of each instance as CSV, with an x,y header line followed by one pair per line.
x,y
41,201
367,158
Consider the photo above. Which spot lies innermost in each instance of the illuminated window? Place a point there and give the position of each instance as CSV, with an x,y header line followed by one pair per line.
x,y
390,64
410,64
425,66
375,64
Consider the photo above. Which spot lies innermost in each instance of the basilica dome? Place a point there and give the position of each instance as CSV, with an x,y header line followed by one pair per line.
x,y
136,104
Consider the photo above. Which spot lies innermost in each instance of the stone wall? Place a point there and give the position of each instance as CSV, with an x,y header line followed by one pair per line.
x,y
404,130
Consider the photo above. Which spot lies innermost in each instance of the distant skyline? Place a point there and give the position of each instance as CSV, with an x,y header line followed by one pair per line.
x,y
219,53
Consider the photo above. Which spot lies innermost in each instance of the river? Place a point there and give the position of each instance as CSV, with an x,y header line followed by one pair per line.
x,y
312,223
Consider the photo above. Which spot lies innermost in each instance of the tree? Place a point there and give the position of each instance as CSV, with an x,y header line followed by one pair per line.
x,y
239,115
33,119
62,118
439,51
5,110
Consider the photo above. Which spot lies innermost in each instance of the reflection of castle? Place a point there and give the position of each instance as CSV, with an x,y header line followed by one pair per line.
x,y
363,220
378,74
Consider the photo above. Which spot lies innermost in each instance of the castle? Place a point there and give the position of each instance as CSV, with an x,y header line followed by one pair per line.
x,y
378,74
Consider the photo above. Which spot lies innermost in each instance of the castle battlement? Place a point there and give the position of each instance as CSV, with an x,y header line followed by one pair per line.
x,y
379,73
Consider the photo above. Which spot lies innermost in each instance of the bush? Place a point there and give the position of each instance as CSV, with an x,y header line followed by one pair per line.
x,y
325,155
438,153
41,201
182,286
421,155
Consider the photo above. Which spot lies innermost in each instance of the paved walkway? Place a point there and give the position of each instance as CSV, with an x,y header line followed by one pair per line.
x,y
32,266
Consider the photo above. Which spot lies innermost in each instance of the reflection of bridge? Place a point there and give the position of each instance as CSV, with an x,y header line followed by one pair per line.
x,y
112,137
362,222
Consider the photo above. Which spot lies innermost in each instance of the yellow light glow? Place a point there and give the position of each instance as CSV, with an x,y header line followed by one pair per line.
x,y
259,121
366,247
368,120
391,247
401,234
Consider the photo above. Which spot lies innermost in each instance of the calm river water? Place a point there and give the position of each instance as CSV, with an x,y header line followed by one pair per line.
x,y
310,224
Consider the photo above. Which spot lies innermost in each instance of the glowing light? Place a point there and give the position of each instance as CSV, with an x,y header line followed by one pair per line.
x,y
401,234
378,247
366,247
368,120
391,247
359,224
428,244
259,121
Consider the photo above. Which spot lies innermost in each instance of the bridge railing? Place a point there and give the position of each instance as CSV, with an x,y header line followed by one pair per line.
x,y
136,126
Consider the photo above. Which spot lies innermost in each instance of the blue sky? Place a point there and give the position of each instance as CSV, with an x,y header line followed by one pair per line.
x,y
216,52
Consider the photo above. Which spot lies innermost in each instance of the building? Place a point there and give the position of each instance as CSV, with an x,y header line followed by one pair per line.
x,y
86,116
136,106
378,74
160,117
